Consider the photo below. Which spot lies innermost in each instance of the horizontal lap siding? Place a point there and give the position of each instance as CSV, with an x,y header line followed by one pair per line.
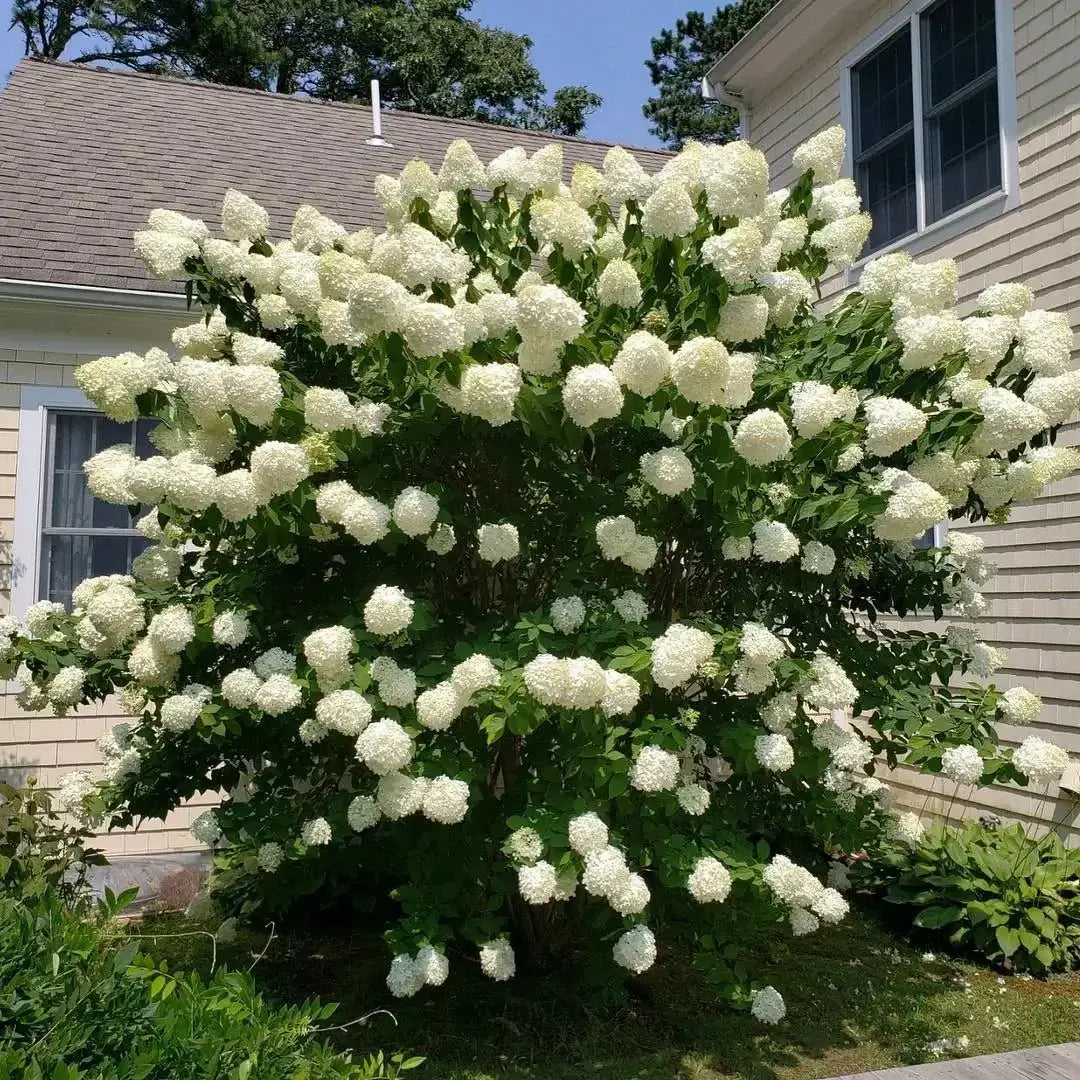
x,y
39,744
1034,599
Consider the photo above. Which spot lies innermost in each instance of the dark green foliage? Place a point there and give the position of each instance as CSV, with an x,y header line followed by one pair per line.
x,y
427,54
993,891
680,59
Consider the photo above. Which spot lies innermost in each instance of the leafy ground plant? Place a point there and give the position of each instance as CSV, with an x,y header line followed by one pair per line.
x,y
77,1000
995,891
862,999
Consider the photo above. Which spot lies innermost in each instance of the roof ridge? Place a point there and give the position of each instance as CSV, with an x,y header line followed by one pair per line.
x,y
203,84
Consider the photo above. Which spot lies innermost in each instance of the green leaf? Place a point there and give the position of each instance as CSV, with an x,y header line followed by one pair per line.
x,y
1008,940
934,917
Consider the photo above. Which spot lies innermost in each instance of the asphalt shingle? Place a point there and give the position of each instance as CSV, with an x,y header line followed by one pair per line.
x,y
86,154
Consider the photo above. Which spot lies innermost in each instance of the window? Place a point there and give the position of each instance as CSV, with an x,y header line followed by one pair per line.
x,y
62,533
930,104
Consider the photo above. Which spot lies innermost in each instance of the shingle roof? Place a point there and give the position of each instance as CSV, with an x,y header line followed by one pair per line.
x,y
86,154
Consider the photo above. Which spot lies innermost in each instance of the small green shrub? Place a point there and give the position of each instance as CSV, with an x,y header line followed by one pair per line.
x,y
993,891
38,851
79,1001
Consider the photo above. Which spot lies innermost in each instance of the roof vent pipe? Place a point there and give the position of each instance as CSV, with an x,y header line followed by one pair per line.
x,y
376,118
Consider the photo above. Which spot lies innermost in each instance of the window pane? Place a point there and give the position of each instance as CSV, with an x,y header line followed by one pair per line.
x,y
70,504
882,93
965,152
67,560
886,183
959,46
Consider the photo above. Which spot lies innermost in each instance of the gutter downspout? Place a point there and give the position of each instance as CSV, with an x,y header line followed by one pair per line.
x,y
717,91
91,295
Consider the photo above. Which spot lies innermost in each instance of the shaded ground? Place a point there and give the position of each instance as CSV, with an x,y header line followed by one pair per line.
x,y
858,999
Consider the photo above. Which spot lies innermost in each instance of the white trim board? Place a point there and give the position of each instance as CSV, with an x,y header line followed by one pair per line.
x,y
34,404
979,212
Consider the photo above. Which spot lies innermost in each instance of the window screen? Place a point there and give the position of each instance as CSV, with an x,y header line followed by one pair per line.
x,y
82,536
884,138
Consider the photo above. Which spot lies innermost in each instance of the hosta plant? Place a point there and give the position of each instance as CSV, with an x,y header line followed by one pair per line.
x,y
996,891
522,563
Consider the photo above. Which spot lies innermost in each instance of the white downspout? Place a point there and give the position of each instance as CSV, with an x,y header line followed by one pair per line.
x,y
718,92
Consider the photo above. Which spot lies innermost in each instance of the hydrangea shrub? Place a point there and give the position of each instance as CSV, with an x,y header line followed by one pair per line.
x,y
526,559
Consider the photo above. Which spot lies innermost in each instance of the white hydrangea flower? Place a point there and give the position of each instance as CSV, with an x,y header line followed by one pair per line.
x,y
635,950
778,713
537,883
767,1006
631,606
962,764
591,393
461,169
710,881
561,221
316,832
405,978
785,291
743,318
818,558
388,611
1020,706
270,856
987,339
242,218
1006,298
735,253
803,922
618,285
774,542
668,211
277,695
546,314
623,178
231,628
654,769
823,153
736,548
362,813
496,543
621,694
762,437
678,655
172,629
239,687
605,872
1045,342
829,688
908,828
1008,421
567,614
205,828
415,511
668,471
587,834
736,179
693,798
446,801
438,707
345,711
384,747
497,960
891,424
834,201
774,752
700,370
632,898
164,254
928,339
1040,761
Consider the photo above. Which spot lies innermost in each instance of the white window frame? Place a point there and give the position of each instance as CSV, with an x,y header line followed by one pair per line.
x,y
35,404
979,212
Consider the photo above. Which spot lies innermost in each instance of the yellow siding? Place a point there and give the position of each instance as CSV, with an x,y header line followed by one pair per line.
x,y
1034,608
39,744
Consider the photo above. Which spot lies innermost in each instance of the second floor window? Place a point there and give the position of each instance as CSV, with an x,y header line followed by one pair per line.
x,y
926,134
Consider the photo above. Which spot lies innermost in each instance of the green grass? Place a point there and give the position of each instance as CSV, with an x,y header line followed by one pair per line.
x,y
858,999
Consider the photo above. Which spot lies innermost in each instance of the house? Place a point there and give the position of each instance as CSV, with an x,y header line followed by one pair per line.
x,y
85,155
964,141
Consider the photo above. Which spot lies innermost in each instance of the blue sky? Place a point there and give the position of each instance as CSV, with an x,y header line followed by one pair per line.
x,y
601,43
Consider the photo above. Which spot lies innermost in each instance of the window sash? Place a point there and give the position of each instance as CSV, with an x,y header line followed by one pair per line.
x,y
49,534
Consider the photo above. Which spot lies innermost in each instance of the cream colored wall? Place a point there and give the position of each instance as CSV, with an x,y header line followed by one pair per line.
x,y
39,744
1035,598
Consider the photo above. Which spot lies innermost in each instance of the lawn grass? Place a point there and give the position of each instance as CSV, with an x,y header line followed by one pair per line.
x,y
858,999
